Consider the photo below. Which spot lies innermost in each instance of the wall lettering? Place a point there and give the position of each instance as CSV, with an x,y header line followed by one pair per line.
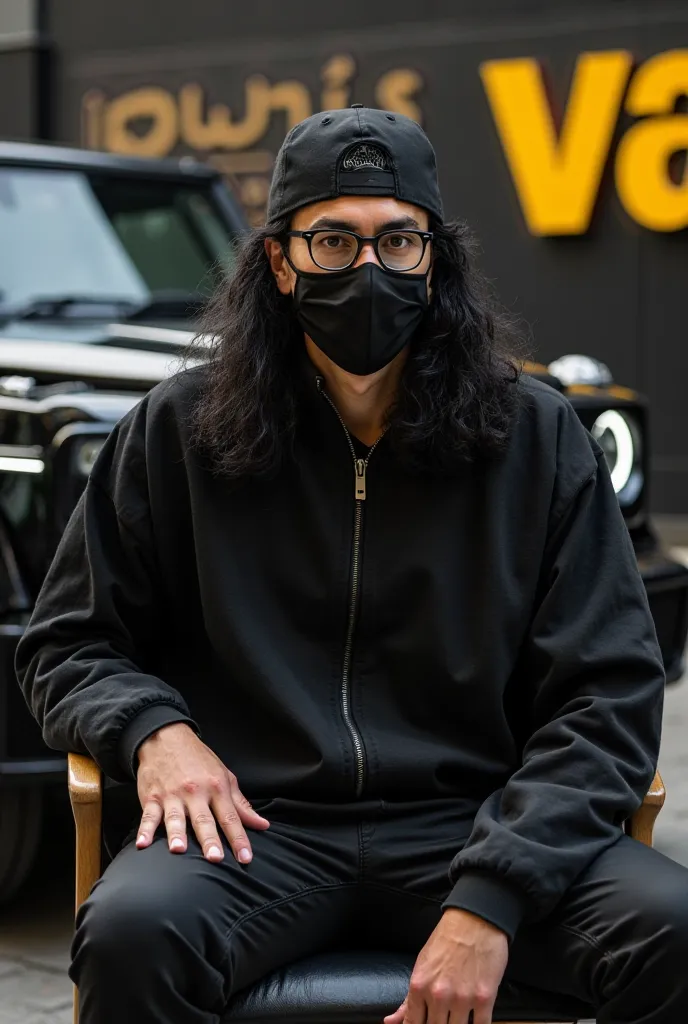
x,y
557,175
152,121
647,189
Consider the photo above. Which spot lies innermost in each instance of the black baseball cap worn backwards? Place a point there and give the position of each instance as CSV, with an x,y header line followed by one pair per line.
x,y
359,151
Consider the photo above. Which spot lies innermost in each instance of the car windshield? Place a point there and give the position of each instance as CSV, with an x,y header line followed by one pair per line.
x,y
67,233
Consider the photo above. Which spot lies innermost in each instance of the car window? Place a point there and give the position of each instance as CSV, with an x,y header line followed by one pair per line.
x,y
65,233
56,239
173,235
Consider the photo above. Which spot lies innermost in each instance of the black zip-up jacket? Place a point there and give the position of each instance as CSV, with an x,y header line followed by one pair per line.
x,y
483,636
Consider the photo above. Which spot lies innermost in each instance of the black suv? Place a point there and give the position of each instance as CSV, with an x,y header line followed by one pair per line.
x,y
104,261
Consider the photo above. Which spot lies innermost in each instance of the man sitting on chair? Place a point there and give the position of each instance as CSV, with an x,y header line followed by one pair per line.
x,y
352,603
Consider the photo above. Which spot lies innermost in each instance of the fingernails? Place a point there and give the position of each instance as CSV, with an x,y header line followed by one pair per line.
x,y
177,845
244,855
215,851
141,839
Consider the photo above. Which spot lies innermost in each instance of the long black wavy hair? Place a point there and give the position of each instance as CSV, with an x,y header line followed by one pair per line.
x,y
456,399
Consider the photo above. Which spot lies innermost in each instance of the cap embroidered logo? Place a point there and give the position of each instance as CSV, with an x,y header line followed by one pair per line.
x,y
364,157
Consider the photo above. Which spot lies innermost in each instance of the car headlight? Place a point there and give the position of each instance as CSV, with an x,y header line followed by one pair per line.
x,y
71,457
85,454
619,438
577,369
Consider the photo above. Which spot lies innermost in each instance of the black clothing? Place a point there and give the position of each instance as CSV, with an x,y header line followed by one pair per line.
x,y
356,151
169,937
482,637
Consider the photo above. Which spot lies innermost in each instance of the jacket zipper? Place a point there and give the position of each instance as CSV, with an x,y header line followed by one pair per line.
x,y
360,471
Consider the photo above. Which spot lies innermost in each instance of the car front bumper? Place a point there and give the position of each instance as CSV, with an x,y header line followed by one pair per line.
x,y
666,583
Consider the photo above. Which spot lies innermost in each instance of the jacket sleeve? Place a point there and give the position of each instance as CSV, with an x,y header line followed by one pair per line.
x,y
82,660
593,675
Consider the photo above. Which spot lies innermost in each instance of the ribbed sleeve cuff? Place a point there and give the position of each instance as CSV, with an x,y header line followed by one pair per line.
x,y
490,897
143,725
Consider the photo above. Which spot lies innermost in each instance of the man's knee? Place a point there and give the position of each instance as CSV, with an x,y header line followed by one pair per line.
x,y
145,945
144,916
661,916
133,923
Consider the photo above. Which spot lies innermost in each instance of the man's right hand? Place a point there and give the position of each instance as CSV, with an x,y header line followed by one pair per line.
x,y
179,778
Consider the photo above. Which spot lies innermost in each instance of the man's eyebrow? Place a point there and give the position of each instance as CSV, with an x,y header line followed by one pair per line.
x,y
332,223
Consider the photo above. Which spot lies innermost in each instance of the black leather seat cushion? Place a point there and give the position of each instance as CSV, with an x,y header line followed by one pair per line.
x,y
362,987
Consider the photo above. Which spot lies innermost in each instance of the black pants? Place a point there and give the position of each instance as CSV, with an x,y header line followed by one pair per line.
x,y
170,937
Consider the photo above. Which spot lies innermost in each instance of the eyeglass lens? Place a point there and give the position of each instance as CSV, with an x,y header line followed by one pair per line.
x,y
337,250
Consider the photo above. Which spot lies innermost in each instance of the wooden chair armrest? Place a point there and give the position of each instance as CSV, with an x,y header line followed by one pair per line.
x,y
84,779
641,824
86,797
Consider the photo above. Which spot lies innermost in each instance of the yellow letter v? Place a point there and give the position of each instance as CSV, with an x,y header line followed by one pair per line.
x,y
557,179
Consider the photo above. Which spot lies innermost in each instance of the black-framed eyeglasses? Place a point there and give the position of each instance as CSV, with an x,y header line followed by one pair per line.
x,y
337,249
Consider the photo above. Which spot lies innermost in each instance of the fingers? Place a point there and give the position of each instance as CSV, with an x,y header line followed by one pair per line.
x,y
174,816
205,828
204,821
215,801
416,1007
398,1015
249,817
229,820
150,819
440,1003
483,1007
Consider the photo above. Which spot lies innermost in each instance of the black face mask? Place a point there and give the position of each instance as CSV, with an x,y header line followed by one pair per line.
x,y
361,317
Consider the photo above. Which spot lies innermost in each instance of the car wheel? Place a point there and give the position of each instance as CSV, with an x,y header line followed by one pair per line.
x,y
21,812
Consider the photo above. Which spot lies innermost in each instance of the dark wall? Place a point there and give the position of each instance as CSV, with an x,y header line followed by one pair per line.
x,y
160,23
617,291
19,94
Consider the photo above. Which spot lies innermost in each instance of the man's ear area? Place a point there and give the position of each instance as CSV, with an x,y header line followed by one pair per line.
x,y
279,266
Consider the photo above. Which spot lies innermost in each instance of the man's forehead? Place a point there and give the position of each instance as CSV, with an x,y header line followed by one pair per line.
x,y
360,210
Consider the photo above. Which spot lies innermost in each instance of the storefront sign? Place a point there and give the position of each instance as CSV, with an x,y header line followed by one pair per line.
x,y
556,163
557,172
154,122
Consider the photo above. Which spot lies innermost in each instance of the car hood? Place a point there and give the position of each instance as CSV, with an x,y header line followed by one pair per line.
x,y
134,355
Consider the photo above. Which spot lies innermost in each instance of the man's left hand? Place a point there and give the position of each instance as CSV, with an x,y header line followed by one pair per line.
x,y
458,970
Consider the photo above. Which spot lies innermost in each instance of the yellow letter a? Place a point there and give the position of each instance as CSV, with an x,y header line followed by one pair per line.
x,y
646,188
557,179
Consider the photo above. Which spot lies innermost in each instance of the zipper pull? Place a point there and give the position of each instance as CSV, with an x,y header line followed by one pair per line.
x,y
360,480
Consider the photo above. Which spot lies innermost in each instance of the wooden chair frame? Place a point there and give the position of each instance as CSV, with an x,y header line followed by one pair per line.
x,y
86,796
